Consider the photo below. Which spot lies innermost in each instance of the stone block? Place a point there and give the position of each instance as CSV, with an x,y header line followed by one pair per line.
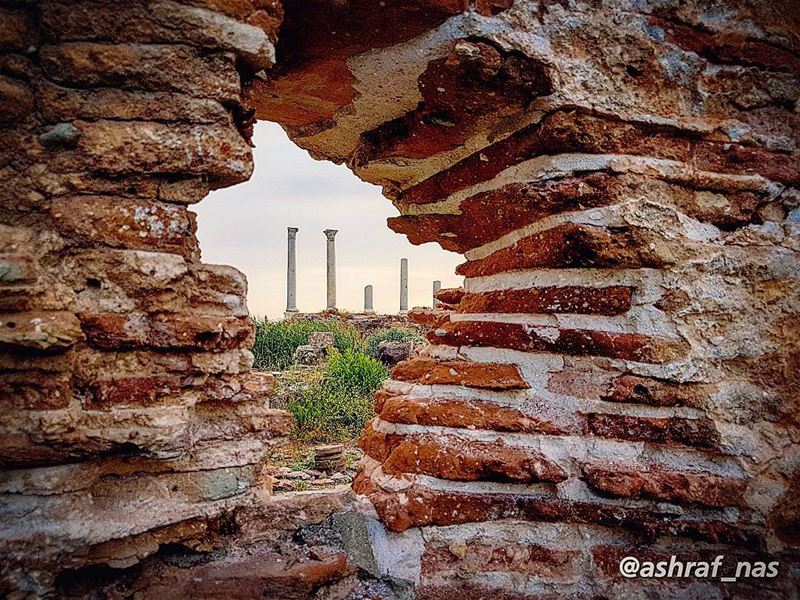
x,y
39,331
392,352
124,223
158,21
126,148
147,67
321,339
309,355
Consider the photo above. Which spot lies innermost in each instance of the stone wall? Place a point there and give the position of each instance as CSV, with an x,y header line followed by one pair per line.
x,y
130,418
618,375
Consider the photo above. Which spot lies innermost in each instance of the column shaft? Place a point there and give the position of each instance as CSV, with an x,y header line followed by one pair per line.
x,y
330,234
291,270
403,285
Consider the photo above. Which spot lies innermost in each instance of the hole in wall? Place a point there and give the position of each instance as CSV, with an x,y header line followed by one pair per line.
x,y
245,226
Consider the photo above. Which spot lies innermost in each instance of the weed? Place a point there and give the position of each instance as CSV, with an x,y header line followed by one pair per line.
x,y
276,341
339,407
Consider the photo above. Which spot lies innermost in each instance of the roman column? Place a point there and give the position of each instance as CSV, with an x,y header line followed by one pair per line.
x,y
331,234
291,270
403,285
437,285
368,299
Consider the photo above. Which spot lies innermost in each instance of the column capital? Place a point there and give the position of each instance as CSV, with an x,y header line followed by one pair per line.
x,y
330,233
292,231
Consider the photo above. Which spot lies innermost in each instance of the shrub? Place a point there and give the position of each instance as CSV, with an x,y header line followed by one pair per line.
x,y
395,334
340,406
276,341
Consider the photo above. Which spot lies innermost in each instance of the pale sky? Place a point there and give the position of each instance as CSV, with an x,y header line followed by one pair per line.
x,y
245,226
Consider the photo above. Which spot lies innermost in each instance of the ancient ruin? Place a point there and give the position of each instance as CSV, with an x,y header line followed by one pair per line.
x,y
618,376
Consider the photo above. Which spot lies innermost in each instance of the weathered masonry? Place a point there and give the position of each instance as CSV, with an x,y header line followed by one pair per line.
x,y
619,374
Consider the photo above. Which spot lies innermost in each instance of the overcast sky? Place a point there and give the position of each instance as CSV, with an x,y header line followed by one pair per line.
x,y
245,226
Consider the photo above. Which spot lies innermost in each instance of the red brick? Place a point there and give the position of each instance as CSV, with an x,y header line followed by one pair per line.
x,y
507,209
110,331
659,430
456,372
125,223
420,506
457,459
683,487
611,300
464,413
626,346
571,246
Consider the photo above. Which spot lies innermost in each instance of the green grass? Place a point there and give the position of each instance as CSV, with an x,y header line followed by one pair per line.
x,y
276,341
395,334
338,407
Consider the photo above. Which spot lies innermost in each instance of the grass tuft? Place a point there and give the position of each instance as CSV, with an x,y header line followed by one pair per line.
x,y
276,341
339,407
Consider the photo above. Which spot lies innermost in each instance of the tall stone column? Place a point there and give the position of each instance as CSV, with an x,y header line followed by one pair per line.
x,y
437,285
403,285
291,270
368,299
330,234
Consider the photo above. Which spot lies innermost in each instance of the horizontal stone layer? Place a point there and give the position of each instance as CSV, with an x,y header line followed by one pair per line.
x,y
462,414
610,300
111,331
641,481
147,67
54,331
630,389
164,21
124,223
574,245
458,459
70,434
514,336
410,503
512,206
563,132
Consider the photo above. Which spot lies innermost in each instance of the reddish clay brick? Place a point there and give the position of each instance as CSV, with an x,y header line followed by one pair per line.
x,y
455,372
124,223
571,245
464,413
450,296
689,487
728,47
631,389
429,317
626,346
666,430
508,208
592,134
458,459
111,331
419,506
611,300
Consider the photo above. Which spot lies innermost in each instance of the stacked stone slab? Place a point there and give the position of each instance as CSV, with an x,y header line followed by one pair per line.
x,y
617,377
